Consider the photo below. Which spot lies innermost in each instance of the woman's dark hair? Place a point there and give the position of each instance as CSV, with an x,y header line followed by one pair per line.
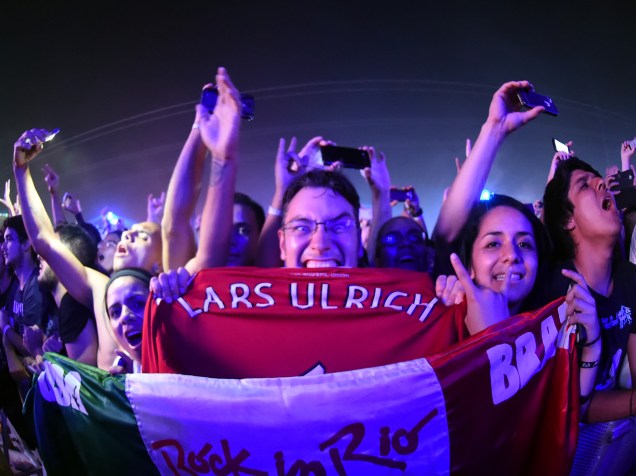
x,y
557,207
482,208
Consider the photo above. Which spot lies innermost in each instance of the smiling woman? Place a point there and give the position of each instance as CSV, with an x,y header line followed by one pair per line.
x,y
504,246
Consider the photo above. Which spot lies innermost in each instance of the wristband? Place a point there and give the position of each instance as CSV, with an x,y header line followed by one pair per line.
x,y
588,344
274,211
589,365
416,213
6,328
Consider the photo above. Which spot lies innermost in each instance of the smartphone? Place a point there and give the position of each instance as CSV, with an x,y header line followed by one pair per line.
x,y
560,146
625,185
624,180
51,135
350,157
530,99
210,95
401,195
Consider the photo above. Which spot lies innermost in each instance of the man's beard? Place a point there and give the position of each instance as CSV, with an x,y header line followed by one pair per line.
x,y
48,280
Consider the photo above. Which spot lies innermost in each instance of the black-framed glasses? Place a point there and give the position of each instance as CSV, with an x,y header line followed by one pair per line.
x,y
395,238
304,227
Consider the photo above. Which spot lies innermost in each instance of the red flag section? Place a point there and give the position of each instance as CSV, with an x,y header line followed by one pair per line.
x,y
252,322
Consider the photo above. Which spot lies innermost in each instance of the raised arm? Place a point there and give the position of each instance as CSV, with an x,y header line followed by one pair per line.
x,y
53,184
220,134
379,180
288,165
559,157
6,201
64,264
181,198
73,206
504,117
155,208
627,152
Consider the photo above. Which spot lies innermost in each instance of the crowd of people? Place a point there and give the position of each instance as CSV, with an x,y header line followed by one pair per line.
x,y
73,289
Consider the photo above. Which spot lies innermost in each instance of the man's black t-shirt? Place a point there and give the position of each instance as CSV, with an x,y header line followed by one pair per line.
x,y
32,305
614,313
72,318
6,303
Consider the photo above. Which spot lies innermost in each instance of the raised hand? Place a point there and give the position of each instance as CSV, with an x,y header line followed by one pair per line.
x,y
377,176
155,207
505,108
6,201
485,306
51,178
71,204
28,146
220,130
627,151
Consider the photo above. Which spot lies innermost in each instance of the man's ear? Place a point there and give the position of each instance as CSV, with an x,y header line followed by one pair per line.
x,y
281,244
569,225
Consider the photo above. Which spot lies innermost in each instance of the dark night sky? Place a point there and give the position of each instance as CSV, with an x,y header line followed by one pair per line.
x,y
412,78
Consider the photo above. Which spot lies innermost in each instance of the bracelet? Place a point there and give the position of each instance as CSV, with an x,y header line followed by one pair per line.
x,y
589,365
417,213
6,328
631,404
588,344
274,211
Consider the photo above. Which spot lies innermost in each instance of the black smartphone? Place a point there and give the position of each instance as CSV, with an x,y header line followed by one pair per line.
x,y
401,195
350,157
624,179
530,99
560,146
625,185
210,95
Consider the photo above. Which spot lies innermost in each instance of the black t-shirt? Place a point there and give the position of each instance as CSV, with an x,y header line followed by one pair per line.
x,y
32,305
72,318
614,313
6,302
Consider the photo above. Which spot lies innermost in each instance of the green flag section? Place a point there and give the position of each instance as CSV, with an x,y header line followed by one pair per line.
x,y
84,423
502,402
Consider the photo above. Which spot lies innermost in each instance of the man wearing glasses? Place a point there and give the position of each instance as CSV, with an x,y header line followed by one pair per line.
x,y
320,228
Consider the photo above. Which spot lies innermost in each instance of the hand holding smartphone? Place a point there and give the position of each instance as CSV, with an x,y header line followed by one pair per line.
x,y
210,95
402,194
531,99
349,157
560,146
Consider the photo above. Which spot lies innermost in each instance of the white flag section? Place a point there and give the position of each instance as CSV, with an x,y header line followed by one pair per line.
x,y
382,421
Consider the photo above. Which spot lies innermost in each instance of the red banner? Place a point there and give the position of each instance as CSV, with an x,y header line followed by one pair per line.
x,y
253,322
511,396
